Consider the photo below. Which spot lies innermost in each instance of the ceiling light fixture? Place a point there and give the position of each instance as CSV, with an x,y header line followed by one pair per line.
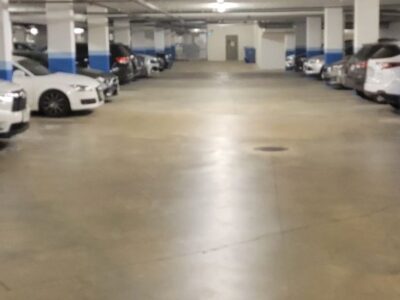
x,y
33,30
79,30
221,6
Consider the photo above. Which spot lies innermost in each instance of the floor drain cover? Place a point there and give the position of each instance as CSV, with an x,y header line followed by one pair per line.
x,y
271,149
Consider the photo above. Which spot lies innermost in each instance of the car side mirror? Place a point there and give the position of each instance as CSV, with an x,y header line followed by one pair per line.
x,y
19,74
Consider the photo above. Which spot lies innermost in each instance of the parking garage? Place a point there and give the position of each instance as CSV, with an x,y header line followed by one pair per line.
x,y
199,149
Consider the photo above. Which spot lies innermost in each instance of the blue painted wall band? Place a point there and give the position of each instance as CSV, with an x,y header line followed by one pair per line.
x,y
314,52
290,52
300,50
147,51
62,62
6,70
332,56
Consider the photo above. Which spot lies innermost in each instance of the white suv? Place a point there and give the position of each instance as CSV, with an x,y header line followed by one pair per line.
x,y
383,75
14,111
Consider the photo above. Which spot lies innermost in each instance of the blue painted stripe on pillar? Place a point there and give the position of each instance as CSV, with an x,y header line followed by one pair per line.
x,y
62,62
332,56
300,50
100,61
6,70
314,52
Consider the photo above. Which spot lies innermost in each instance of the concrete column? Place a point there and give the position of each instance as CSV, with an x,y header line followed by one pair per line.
x,y
6,45
290,44
60,37
334,31
300,33
143,40
159,40
366,22
122,32
168,41
314,36
98,38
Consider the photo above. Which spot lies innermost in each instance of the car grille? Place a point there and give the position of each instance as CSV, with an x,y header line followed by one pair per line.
x,y
19,103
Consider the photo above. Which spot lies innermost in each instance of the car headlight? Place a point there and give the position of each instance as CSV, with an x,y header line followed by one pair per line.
x,y
81,87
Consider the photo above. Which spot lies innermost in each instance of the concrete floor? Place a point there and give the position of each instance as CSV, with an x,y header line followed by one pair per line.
x,y
162,195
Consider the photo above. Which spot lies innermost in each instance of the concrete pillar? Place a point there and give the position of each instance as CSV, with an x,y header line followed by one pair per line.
x,y
168,41
159,40
366,22
314,36
290,44
6,44
60,37
143,40
300,33
98,38
122,32
334,31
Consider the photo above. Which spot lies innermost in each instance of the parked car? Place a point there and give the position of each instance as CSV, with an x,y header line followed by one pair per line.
x,y
120,61
165,61
290,62
25,46
334,74
383,75
109,81
299,62
14,111
356,68
150,63
136,65
57,94
314,66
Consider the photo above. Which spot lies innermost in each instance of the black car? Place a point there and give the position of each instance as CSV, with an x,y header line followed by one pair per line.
x,y
110,82
120,61
299,60
356,67
165,61
137,64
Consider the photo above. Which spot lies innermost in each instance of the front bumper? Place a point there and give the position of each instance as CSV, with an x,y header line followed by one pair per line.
x,y
312,69
87,100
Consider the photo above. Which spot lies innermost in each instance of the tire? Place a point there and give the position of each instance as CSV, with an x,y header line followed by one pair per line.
x,y
54,104
361,94
395,105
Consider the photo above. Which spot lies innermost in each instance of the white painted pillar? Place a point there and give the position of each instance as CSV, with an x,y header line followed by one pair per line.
x,y
290,43
334,34
300,33
159,40
60,37
122,32
366,22
143,40
98,38
6,44
314,36
167,41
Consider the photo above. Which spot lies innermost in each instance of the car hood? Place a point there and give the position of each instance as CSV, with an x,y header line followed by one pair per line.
x,y
94,73
6,86
66,78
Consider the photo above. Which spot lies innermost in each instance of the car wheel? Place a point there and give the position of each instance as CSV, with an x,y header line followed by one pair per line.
x,y
54,104
361,94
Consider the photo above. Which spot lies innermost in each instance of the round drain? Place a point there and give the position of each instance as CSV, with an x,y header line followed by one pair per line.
x,y
271,149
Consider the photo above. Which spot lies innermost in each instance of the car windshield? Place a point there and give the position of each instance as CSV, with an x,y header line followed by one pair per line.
x,y
387,51
34,67
367,51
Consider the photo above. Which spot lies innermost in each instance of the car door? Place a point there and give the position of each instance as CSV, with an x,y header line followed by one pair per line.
x,y
27,81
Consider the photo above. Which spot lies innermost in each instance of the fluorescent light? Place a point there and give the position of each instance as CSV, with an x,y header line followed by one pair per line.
x,y
220,1
79,30
222,7
33,30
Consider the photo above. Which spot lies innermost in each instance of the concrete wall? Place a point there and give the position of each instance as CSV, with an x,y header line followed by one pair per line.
x,y
392,31
216,39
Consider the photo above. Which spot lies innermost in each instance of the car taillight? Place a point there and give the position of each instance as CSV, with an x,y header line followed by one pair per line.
x,y
362,65
389,65
122,59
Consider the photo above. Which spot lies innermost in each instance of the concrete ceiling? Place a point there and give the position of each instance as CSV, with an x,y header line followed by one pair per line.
x,y
198,11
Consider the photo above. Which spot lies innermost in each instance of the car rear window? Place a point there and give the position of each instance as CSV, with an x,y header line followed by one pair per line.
x,y
387,51
367,51
119,50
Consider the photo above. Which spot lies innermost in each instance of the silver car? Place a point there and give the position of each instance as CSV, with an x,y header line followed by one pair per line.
x,y
314,66
335,74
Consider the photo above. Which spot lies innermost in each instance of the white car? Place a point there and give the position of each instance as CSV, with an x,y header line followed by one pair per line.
x,y
383,75
151,65
14,111
313,66
57,94
290,60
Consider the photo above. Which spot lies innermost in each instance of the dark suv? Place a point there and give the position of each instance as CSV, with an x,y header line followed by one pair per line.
x,y
120,61
356,68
